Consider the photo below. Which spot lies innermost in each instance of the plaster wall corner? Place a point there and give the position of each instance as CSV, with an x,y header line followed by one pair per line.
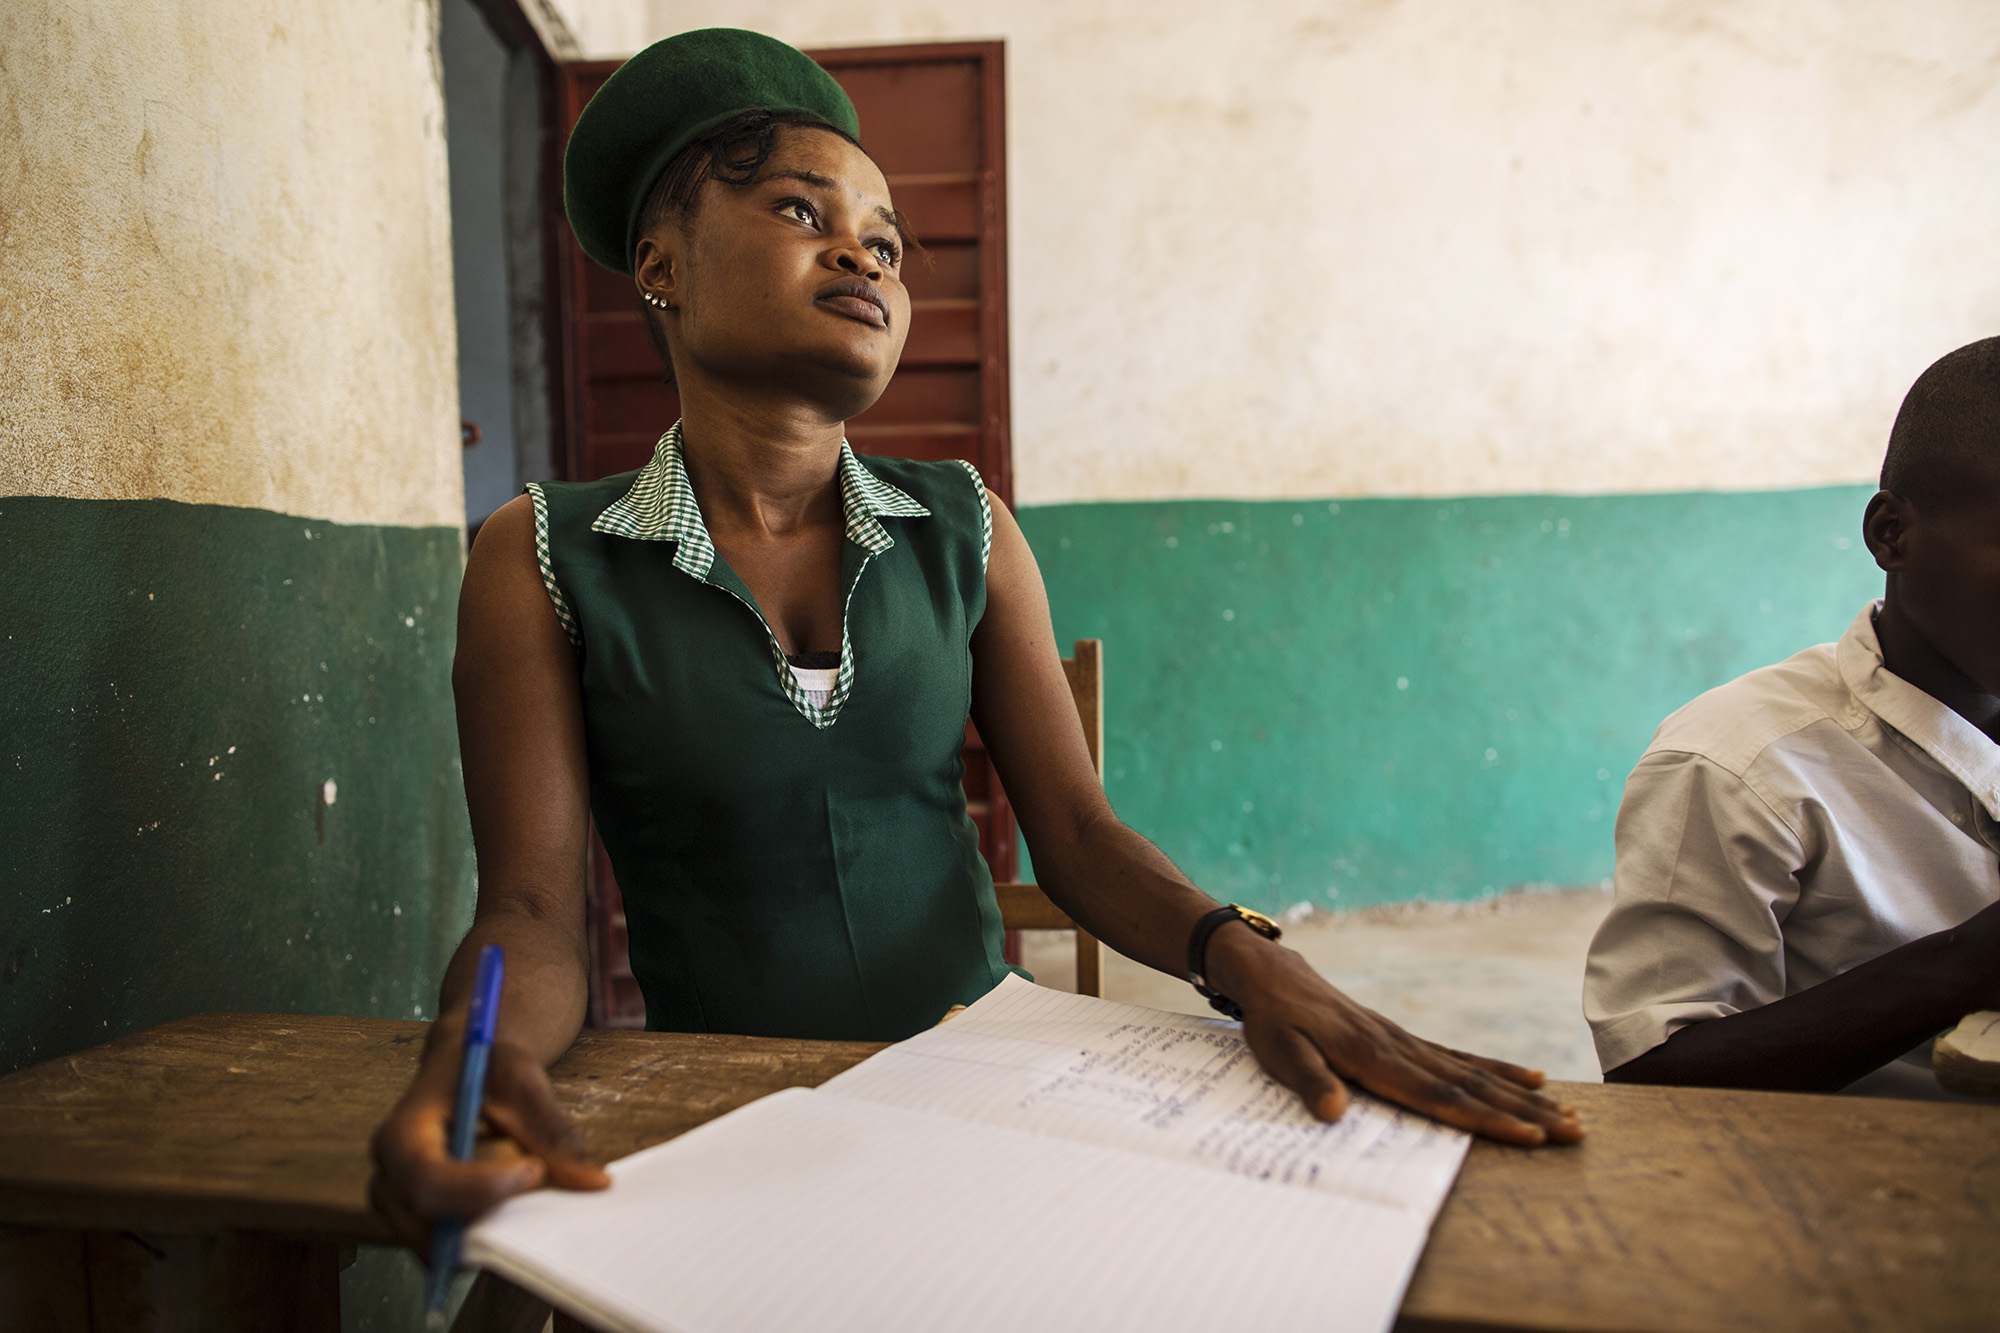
x,y
225,260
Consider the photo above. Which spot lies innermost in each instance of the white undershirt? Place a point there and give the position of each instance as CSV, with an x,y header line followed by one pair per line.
x,y
816,683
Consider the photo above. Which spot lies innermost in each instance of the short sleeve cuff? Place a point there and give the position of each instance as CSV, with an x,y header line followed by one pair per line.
x,y
985,512
564,616
1625,1038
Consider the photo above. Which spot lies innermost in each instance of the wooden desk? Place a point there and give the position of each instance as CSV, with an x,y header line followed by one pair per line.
x,y
218,1165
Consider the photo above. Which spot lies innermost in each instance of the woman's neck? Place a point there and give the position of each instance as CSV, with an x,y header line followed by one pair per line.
x,y
769,468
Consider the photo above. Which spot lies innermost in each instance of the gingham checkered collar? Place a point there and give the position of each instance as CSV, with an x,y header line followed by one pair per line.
x,y
660,506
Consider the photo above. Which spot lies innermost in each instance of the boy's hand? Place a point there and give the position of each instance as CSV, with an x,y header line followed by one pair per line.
x,y
525,1142
1310,1037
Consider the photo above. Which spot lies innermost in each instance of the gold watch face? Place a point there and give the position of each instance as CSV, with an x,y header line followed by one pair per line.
x,y
1258,922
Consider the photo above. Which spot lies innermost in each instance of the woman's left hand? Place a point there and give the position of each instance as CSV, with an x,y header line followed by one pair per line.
x,y
1315,1040
1128,894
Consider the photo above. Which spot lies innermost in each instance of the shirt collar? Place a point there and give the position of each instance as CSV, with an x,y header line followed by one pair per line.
x,y
1961,749
660,506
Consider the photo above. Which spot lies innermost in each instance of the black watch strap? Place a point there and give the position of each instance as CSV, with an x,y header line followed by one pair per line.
x,y
1198,951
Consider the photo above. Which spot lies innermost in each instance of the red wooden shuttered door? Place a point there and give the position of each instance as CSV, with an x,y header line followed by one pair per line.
x,y
932,117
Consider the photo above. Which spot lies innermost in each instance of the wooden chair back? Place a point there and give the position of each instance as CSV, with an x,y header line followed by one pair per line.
x,y
1025,906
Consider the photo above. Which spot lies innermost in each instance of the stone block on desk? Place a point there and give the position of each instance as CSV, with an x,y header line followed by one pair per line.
x,y
1967,1058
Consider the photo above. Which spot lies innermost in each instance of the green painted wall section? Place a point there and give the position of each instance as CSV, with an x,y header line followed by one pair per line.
x,y
182,683
1372,701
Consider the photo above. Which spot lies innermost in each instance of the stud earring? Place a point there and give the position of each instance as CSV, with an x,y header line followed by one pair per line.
x,y
655,300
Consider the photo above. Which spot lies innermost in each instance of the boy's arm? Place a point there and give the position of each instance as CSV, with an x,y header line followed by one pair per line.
x,y
1686,980
1825,1038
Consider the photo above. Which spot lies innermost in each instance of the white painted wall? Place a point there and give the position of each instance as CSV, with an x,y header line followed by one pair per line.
x,y
225,257
1370,247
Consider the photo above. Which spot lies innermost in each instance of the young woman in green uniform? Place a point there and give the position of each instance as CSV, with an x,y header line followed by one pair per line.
x,y
752,661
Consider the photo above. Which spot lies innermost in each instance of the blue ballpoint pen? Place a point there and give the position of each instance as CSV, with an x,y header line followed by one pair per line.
x,y
448,1234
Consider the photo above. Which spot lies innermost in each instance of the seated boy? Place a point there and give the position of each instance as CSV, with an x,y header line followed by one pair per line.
x,y
1808,863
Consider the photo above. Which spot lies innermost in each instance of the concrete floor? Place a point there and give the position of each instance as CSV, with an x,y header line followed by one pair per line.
x,y
1502,977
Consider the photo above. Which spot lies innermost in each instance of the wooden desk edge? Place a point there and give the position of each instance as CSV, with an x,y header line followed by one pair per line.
x,y
72,1208
1414,1323
30,1200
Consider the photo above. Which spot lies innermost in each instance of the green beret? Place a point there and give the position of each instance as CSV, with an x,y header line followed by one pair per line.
x,y
662,100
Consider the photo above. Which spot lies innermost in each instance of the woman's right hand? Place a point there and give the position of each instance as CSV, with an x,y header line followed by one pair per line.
x,y
524,1141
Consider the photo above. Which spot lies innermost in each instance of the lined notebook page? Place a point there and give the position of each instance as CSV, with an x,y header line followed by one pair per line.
x,y
1147,1081
807,1211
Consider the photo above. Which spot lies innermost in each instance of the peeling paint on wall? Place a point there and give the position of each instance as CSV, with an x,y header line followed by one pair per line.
x,y
225,262
229,517
181,680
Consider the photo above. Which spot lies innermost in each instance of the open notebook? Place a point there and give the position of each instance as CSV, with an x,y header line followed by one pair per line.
x,y
1043,1161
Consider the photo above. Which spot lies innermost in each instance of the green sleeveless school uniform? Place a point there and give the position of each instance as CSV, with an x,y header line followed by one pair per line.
x,y
789,868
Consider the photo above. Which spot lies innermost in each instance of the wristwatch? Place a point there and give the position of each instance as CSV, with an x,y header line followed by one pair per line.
x,y
1198,951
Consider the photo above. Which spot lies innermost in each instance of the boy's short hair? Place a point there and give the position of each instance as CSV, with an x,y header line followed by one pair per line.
x,y
1949,421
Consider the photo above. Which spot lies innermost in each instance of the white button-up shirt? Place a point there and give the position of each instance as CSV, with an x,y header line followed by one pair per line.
x,y
1782,829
